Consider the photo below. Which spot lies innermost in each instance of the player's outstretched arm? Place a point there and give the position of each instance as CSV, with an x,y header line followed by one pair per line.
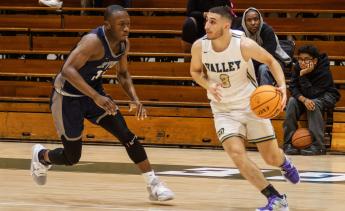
x,y
251,50
126,82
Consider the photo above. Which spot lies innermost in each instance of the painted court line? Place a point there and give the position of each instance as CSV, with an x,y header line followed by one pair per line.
x,y
84,207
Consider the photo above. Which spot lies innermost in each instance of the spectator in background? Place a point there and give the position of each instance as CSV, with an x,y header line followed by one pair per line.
x,y
193,27
312,91
263,34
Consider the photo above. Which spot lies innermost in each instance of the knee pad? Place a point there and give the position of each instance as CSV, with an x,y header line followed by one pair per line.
x,y
69,155
135,150
72,151
118,127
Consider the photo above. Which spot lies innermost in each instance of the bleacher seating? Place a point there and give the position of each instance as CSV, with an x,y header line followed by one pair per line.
x,y
179,110
271,5
165,24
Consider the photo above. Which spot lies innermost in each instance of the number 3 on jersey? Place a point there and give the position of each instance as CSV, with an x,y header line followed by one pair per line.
x,y
224,78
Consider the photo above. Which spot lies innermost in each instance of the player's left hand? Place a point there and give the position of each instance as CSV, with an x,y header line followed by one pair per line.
x,y
282,89
140,112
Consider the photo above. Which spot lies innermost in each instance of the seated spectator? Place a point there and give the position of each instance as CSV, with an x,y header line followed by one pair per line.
x,y
193,27
51,3
263,34
312,90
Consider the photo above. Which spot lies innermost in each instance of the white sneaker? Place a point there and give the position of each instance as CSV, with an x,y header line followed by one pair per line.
x,y
38,170
159,192
51,3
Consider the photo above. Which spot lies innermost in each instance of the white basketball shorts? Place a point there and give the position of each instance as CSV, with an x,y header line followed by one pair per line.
x,y
241,123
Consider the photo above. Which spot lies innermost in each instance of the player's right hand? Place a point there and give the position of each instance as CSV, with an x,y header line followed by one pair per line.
x,y
308,68
214,89
282,90
106,103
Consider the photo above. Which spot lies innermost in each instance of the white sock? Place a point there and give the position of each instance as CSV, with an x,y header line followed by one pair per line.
x,y
149,176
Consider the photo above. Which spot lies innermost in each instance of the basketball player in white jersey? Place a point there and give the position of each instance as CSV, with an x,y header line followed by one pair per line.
x,y
229,80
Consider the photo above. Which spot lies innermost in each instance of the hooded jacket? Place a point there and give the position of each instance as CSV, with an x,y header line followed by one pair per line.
x,y
314,84
266,38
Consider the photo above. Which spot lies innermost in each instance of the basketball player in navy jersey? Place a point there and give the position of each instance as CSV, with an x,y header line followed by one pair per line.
x,y
78,94
229,80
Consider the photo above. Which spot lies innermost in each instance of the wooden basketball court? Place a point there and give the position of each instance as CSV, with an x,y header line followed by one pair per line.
x,y
202,179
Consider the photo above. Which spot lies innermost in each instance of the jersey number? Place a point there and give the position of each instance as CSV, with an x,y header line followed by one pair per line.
x,y
99,74
224,78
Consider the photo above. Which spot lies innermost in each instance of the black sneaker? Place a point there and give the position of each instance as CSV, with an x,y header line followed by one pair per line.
x,y
290,150
313,150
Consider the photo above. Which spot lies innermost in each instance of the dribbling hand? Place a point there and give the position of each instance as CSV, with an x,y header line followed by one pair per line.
x,y
282,89
106,103
140,112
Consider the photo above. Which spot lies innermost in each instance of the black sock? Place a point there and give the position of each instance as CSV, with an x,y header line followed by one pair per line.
x,y
270,191
41,157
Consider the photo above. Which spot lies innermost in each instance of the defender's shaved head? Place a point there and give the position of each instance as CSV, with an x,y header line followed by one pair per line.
x,y
112,9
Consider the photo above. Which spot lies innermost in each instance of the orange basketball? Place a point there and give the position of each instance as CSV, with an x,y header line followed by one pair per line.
x,y
301,139
265,101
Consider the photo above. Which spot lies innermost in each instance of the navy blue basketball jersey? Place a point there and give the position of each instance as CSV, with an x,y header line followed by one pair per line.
x,y
92,71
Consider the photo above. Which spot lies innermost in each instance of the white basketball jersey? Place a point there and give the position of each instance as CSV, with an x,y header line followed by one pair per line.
x,y
230,69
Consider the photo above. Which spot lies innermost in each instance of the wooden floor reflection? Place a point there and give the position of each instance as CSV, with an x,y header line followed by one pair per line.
x,y
201,179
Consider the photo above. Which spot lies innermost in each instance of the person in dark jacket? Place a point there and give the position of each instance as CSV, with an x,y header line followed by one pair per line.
x,y
193,27
312,90
255,28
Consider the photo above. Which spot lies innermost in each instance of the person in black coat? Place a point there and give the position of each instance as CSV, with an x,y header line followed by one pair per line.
x,y
193,27
312,90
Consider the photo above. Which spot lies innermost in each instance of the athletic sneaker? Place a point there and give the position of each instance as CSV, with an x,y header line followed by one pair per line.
x,y
158,191
51,3
289,171
275,203
38,170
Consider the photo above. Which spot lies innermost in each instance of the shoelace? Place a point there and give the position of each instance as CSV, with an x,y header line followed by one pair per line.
x,y
273,204
39,169
287,170
160,186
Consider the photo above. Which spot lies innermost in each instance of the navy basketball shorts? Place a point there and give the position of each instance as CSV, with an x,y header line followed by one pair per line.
x,y
69,113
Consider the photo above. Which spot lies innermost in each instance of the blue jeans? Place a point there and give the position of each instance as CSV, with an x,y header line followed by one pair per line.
x,y
264,76
295,109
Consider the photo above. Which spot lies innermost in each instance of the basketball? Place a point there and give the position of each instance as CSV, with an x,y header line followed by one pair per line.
x,y
301,139
265,101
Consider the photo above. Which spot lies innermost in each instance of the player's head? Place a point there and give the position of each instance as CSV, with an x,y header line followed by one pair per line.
x,y
218,20
307,54
252,20
117,22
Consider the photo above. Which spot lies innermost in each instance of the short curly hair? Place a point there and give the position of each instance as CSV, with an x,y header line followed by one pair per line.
x,y
309,49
